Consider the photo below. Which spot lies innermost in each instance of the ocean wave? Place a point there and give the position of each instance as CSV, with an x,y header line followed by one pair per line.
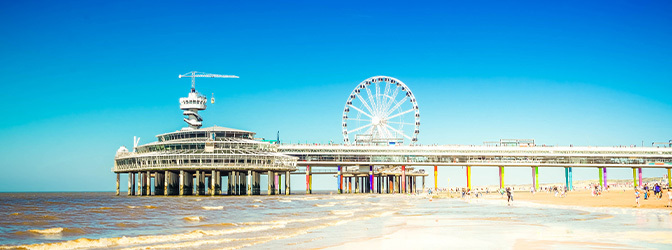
x,y
213,208
54,231
126,225
194,218
342,212
328,204
284,200
144,240
150,207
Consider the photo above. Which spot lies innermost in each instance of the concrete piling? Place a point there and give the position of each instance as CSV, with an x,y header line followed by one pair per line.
x,y
287,183
130,184
118,184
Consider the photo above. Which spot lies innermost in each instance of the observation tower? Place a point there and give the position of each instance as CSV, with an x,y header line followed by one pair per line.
x,y
195,102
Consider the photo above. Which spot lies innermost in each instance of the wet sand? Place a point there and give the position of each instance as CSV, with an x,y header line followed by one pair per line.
x,y
612,198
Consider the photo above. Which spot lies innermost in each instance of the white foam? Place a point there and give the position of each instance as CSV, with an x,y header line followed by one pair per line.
x,y
56,230
213,208
193,218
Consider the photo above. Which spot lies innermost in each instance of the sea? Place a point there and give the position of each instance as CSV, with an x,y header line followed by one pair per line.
x,y
318,221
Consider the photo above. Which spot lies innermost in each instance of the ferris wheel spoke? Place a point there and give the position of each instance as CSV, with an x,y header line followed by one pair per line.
x,y
360,128
378,97
394,96
402,113
389,112
380,131
361,111
366,105
402,123
356,119
374,105
384,97
388,134
398,132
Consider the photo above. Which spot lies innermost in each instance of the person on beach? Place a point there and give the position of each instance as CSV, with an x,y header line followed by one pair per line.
x,y
637,196
509,196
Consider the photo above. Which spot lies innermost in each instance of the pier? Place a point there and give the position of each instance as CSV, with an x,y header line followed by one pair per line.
x,y
197,161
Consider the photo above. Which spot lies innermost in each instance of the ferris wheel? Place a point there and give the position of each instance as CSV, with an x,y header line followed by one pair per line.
x,y
381,110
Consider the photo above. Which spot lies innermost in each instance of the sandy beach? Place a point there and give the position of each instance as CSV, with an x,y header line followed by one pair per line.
x,y
611,220
613,198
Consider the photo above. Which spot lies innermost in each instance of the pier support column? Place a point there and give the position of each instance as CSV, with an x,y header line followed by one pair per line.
x,y
535,178
308,191
288,183
131,183
436,177
248,187
117,184
201,183
213,176
148,183
181,182
640,176
166,182
159,183
423,183
259,183
229,183
243,182
340,180
278,183
468,177
138,181
568,178
170,183
270,182
356,184
601,180
371,178
198,182
218,183
410,184
669,177
349,185
403,179
501,177
604,172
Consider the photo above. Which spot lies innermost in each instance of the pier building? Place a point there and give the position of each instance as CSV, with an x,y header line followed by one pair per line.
x,y
194,160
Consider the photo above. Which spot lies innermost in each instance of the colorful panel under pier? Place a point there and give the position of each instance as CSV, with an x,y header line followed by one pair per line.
x,y
501,177
436,173
469,177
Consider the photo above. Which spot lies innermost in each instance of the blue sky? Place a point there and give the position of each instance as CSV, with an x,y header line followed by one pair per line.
x,y
81,78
